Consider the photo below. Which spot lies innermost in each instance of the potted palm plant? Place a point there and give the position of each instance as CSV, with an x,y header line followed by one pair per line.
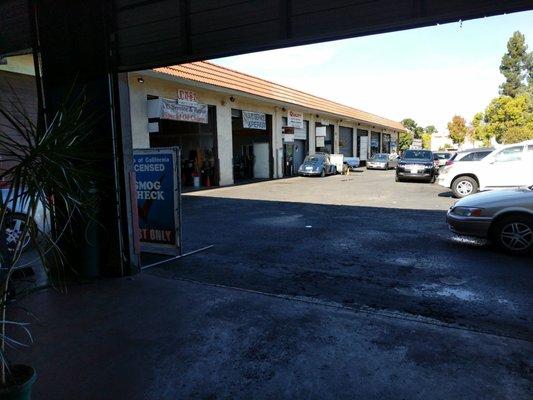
x,y
48,184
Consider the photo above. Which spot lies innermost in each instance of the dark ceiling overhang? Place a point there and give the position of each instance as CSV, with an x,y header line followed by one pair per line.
x,y
152,33
168,32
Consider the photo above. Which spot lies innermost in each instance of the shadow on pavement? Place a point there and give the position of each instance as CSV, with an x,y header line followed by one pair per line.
x,y
383,258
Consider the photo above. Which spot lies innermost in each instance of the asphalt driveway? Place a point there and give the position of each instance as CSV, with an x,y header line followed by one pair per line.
x,y
335,288
362,241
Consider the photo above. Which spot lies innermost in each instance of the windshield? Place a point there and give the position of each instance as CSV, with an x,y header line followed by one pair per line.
x,y
418,154
380,157
443,156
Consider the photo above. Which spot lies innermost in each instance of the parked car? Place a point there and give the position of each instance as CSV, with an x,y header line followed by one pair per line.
x,y
318,164
469,155
352,163
507,167
504,216
441,158
19,218
416,165
382,161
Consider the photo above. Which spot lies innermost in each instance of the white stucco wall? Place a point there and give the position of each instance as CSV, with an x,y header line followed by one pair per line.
x,y
162,86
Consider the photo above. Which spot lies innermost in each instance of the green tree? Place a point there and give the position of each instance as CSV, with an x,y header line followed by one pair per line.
x,y
517,134
426,141
405,140
479,130
430,129
516,67
504,113
458,129
413,127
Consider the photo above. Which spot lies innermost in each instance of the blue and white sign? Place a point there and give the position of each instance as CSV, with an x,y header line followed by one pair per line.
x,y
158,199
254,120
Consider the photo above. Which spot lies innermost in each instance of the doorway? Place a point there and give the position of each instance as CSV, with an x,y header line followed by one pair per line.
x,y
198,145
252,145
362,145
294,151
346,141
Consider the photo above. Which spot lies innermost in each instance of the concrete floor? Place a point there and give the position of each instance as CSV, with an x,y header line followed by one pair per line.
x,y
341,287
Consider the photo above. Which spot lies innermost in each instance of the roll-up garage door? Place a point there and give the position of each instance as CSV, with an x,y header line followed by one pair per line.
x,y
346,141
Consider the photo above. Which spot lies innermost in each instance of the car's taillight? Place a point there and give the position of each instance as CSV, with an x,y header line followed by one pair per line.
x,y
449,162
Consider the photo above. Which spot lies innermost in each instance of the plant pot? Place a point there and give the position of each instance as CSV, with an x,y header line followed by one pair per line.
x,y
19,384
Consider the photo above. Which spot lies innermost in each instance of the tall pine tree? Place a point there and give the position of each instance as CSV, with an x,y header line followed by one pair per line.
x,y
516,67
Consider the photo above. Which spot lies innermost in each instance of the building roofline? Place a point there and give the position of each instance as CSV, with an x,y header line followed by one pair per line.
x,y
194,70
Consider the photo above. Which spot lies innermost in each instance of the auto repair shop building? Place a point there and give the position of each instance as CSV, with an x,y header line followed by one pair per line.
x,y
232,126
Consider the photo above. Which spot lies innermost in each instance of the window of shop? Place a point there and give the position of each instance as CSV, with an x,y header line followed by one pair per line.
x,y
324,138
198,144
295,147
385,148
375,143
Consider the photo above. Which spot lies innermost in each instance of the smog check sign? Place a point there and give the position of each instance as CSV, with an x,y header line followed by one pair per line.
x,y
158,205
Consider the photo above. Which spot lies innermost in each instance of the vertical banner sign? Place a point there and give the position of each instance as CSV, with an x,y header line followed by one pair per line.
x,y
295,119
157,174
254,120
363,150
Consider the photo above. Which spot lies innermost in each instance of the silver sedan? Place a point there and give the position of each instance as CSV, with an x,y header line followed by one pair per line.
x,y
505,217
382,161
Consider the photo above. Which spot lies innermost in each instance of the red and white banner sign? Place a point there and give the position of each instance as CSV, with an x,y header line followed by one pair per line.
x,y
295,119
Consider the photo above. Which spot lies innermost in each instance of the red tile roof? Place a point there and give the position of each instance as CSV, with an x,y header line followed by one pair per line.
x,y
212,74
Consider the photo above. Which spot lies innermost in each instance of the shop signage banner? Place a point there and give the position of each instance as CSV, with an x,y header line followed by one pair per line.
x,y
171,109
187,97
288,138
254,120
295,119
157,175
320,141
320,131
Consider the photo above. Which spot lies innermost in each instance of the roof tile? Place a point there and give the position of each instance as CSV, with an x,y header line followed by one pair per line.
x,y
212,74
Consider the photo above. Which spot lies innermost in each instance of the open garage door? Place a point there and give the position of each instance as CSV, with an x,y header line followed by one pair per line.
x,y
346,141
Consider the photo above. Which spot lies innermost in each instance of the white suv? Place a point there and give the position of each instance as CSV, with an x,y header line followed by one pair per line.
x,y
506,167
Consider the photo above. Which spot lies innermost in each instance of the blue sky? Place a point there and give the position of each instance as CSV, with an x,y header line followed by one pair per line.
x,y
428,74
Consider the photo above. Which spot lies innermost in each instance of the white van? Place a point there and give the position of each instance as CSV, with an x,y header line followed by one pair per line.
x,y
506,167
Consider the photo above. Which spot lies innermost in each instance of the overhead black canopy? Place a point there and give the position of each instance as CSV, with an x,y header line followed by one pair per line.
x,y
150,33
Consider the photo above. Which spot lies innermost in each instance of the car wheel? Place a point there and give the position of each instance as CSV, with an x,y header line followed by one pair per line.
x,y
323,173
464,186
514,234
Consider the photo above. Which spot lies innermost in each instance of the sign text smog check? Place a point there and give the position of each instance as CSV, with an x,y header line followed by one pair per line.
x,y
156,184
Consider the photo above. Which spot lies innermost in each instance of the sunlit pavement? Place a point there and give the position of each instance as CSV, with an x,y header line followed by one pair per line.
x,y
342,287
